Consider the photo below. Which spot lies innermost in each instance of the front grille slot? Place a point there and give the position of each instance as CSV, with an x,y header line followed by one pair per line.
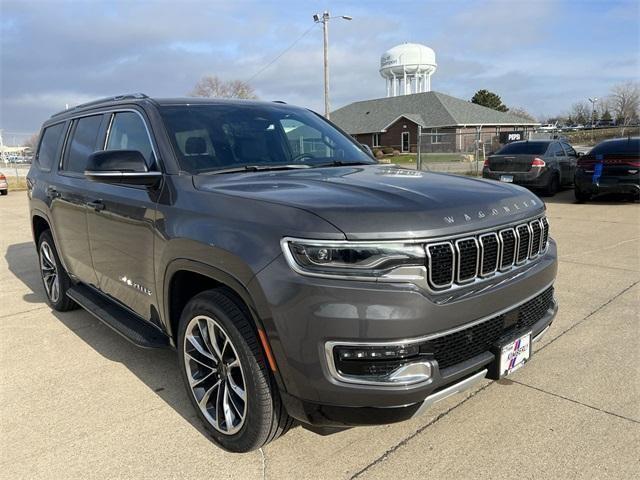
x,y
490,253
509,244
469,259
524,243
536,235
545,233
467,250
460,346
441,263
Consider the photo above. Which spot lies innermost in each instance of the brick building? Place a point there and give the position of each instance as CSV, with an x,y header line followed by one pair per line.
x,y
450,124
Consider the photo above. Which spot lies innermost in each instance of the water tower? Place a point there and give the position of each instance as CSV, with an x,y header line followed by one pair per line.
x,y
407,68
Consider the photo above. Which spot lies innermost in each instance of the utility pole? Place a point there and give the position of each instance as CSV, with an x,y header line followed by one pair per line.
x,y
324,19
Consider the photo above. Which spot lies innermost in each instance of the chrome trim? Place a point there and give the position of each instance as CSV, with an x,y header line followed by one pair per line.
x,y
533,254
458,260
498,243
539,336
459,387
328,346
119,174
429,269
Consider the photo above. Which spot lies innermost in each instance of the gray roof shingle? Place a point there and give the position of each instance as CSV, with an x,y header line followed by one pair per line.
x,y
429,109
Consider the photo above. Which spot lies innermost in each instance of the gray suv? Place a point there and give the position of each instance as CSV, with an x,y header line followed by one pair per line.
x,y
297,278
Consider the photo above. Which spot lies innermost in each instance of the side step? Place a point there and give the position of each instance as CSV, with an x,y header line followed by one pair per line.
x,y
131,327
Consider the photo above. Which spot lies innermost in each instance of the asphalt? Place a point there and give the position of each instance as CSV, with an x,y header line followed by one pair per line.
x,y
78,401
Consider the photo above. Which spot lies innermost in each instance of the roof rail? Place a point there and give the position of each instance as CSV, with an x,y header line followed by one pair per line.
x,y
126,96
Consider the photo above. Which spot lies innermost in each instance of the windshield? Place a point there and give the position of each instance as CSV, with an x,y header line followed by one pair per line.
x,y
208,138
524,148
626,146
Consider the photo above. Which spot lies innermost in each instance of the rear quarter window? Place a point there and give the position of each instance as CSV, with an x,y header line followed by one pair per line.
x,y
49,143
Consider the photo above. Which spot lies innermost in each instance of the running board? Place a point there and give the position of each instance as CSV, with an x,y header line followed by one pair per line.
x,y
131,327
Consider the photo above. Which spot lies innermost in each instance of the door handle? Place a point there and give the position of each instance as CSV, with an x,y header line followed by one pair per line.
x,y
97,205
52,192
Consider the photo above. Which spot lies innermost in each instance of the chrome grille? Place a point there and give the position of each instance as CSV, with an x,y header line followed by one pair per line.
x,y
468,259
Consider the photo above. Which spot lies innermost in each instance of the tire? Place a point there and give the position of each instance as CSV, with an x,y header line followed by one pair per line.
x,y
553,186
581,196
248,424
4,192
55,280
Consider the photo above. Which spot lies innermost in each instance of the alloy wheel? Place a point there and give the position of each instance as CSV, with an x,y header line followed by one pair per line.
x,y
215,374
49,272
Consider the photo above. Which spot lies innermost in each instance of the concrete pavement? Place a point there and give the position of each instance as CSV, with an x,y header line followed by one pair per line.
x,y
78,401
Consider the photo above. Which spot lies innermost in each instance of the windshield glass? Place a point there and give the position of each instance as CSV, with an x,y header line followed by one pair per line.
x,y
208,138
524,148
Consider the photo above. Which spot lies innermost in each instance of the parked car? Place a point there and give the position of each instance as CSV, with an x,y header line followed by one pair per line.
x,y
545,165
4,185
612,166
296,277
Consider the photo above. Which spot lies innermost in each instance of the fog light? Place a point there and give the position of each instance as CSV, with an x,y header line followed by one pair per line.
x,y
392,364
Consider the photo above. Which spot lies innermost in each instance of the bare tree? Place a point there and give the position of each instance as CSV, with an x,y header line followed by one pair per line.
x,y
210,86
521,112
581,112
625,103
31,142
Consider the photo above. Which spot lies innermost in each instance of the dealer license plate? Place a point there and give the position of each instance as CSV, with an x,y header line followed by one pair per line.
x,y
506,178
515,354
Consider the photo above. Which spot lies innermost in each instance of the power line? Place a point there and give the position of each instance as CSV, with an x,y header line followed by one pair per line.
x,y
281,53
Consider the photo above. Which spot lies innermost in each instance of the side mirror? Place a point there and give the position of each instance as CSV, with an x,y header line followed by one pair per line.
x,y
368,149
126,167
580,154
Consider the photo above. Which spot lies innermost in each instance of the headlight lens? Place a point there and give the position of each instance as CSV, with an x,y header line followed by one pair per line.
x,y
351,258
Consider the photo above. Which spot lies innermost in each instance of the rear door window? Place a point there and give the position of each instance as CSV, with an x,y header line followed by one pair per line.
x,y
524,148
82,144
128,132
569,149
48,150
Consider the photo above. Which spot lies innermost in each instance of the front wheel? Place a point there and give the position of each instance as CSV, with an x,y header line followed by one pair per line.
x,y
581,196
4,192
54,277
226,375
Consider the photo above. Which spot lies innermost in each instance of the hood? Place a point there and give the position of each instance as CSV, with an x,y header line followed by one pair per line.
x,y
384,202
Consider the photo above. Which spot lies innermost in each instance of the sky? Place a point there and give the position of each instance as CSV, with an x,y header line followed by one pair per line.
x,y
541,55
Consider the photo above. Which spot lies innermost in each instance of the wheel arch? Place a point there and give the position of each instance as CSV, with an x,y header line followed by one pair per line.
x,y
39,223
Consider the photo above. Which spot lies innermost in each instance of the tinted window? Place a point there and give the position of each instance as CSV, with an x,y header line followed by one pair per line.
x,y
128,132
210,137
83,143
630,146
556,149
569,149
524,148
49,146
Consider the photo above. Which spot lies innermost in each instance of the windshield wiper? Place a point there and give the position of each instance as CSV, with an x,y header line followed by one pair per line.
x,y
255,168
340,163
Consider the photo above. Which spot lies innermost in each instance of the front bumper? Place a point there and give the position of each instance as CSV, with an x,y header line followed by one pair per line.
x,y
534,178
301,314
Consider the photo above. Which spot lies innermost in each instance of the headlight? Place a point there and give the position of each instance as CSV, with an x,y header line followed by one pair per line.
x,y
393,261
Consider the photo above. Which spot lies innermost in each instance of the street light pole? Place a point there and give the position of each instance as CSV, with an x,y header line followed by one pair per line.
x,y
593,112
324,19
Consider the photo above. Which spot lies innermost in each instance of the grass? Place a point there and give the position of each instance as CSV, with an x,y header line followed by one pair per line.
x,y
587,137
16,183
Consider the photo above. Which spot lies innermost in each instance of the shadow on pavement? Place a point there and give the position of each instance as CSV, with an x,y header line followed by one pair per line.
x,y
567,197
158,369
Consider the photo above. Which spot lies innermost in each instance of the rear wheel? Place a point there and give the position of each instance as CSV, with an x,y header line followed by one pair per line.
x,y
581,196
553,186
4,192
54,277
226,375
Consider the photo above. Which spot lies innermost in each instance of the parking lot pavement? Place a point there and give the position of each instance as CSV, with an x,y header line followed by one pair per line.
x,y
78,401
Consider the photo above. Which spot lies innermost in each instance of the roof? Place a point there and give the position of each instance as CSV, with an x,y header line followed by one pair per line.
x,y
140,98
428,109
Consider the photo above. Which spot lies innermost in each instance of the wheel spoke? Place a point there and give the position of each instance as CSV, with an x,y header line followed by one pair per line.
x,y
239,391
228,414
207,394
213,338
200,348
199,362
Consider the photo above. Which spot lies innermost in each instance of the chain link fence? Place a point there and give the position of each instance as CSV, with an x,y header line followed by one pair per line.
x,y
461,152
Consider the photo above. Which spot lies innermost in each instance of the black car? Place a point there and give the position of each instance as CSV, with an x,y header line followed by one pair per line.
x,y
612,166
544,165
295,276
